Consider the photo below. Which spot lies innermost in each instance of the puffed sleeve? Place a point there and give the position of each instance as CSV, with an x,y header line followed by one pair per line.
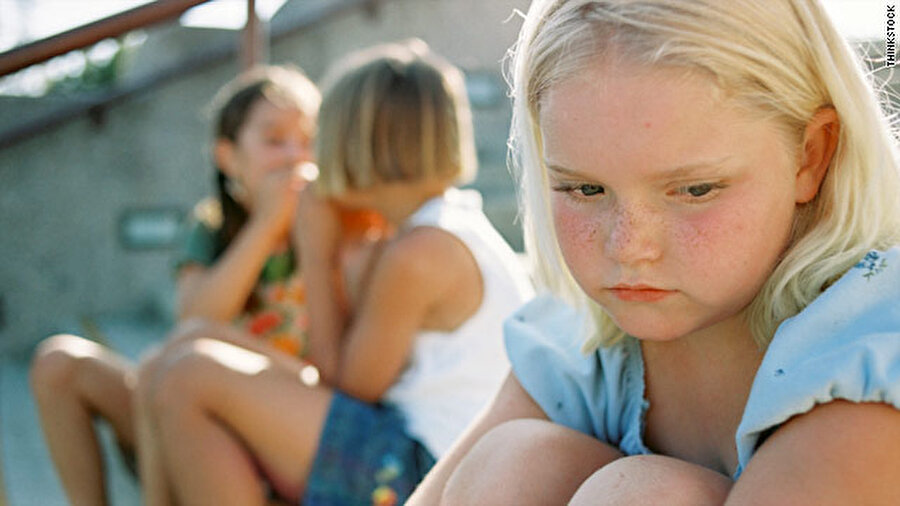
x,y
599,394
845,345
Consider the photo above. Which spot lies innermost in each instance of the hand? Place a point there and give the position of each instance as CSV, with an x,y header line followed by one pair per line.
x,y
276,199
317,227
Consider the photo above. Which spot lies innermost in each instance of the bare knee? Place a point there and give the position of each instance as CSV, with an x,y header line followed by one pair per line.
x,y
653,479
189,375
149,371
526,461
56,364
171,382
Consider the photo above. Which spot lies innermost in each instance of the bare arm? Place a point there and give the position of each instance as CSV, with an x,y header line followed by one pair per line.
x,y
838,453
411,276
511,402
317,246
220,291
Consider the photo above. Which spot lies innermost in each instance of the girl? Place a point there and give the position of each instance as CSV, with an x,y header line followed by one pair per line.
x,y
714,184
235,267
420,356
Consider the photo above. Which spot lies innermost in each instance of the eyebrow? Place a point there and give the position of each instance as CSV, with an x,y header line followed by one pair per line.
x,y
562,170
677,172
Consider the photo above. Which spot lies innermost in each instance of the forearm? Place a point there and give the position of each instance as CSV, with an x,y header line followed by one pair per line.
x,y
327,318
221,291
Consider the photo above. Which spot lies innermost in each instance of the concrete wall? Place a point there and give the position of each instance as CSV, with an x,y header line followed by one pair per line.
x,y
63,193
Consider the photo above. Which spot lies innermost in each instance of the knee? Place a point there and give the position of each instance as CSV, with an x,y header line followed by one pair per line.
x,y
56,362
175,384
652,479
149,370
626,480
176,378
501,461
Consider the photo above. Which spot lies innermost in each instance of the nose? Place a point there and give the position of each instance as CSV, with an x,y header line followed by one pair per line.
x,y
635,235
298,152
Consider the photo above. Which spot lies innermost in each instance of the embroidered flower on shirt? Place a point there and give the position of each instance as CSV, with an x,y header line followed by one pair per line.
x,y
384,495
873,263
391,467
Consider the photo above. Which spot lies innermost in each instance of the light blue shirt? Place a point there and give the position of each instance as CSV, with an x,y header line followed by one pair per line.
x,y
844,345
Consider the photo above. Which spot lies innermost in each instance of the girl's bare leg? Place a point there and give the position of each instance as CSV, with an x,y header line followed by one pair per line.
x,y
526,462
653,479
151,467
73,380
223,412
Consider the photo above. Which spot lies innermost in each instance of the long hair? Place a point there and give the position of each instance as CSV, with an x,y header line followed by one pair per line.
x,y
782,59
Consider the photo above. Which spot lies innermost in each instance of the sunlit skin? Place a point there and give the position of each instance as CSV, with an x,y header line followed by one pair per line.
x,y
671,205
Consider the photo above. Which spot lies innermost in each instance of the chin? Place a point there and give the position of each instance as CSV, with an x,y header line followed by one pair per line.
x,y
651,329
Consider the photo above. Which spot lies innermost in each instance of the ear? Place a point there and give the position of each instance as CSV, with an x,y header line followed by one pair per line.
x,y
819,143
223,152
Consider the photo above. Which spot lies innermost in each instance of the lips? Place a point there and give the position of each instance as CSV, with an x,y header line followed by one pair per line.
x,y
639,293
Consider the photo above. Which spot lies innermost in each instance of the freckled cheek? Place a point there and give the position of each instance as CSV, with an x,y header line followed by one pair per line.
x,y
722,245
577,232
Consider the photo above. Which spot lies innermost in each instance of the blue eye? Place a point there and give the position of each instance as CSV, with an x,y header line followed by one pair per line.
x,y
589,190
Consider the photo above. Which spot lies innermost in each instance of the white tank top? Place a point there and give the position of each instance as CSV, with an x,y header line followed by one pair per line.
x,y
452,375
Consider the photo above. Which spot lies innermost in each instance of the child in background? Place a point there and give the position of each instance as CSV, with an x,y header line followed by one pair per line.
x,y
422,353
714,187
236,262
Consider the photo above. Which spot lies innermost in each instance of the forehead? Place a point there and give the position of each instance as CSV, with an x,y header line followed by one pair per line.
x,y
263,113
647,117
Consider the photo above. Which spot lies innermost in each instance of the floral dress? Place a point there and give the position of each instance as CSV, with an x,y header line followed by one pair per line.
x,y
276,311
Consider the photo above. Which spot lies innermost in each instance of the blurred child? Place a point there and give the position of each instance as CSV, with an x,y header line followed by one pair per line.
x,y
236,267
422,352
715,185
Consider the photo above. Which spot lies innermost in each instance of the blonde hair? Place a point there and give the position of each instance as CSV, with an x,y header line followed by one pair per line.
x,y
781,58
394,113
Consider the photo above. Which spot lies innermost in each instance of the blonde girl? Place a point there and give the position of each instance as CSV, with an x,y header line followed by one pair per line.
x,y
710,191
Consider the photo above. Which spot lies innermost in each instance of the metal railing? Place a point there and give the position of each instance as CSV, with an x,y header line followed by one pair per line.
x,y
250,50
83,36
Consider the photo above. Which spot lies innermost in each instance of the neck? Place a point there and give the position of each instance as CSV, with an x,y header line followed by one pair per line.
x,y
727,342
697,387
400,205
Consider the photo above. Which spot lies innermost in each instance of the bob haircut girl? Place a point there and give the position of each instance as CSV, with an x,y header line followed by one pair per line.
x,y
413,102
795,67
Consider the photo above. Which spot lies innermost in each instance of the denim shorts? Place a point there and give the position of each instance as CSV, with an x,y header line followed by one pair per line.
x,y
365,457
